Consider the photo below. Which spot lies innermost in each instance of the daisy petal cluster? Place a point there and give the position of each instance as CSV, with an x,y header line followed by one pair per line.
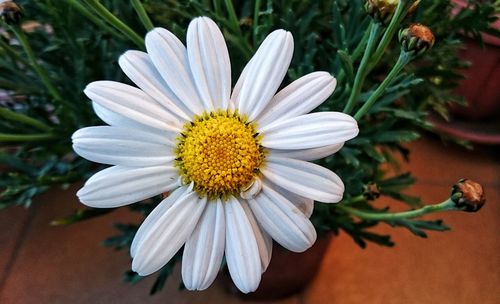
x,y
236,163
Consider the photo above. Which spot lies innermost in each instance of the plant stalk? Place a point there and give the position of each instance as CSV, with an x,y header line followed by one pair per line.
x,y
18,117
232,16
93,18
255,25
362,44
362,70
21,37
13,54
143,16
114,21
396,20
403,60
379,216
26,137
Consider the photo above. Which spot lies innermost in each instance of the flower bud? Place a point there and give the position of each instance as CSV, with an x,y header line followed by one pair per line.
x,y
371,191
416,38
10,12
468,195
383,10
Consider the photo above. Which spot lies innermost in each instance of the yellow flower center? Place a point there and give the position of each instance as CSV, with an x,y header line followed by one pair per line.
x,y
220,152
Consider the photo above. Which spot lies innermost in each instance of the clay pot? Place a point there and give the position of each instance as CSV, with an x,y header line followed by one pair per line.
x,y
287,274
480,86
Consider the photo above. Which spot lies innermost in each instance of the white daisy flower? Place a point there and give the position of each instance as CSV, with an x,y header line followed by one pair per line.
x,y
237,165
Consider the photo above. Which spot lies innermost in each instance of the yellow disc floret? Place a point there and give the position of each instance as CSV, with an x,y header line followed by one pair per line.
x,y
220,152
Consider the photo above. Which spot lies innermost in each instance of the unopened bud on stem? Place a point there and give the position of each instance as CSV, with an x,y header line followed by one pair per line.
x,y
416,38
10,12
468,195
371,191
383,10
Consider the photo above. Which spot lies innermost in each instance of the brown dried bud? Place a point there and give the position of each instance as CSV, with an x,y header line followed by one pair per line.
x,y
416,38
371,191
10,12
468,195
383,10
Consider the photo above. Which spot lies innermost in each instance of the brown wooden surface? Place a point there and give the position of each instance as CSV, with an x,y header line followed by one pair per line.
x,y
43,264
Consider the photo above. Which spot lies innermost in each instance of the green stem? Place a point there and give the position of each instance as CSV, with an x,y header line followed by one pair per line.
x,y
256,11
403,59
217,8
26,137
340,76
244,48
18,87
13,54
21,37
68,178
355,199
355,54
233,17
362,70
398,16
93,18
379,216
361,45
115,22
143,16
14,116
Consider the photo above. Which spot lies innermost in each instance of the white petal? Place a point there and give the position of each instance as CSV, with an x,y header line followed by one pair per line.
x,y
239,83
251,190
132,103
242,252
286,224
265,73
309,131
203,252
118,120
268,244
118,186
231,107
123,146
307,154
264,241
170,59
298,98
304,178
140,69
209,62
168,233
155,215
304,204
